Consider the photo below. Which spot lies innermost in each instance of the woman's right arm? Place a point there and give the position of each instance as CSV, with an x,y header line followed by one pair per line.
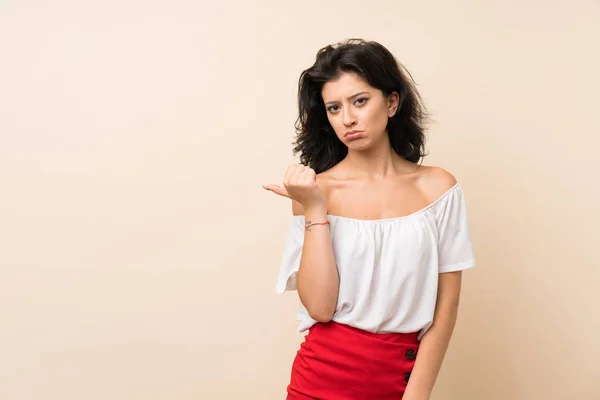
x,y
318,278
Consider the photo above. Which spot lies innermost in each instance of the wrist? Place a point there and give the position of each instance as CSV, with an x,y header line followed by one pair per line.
x,y
315,211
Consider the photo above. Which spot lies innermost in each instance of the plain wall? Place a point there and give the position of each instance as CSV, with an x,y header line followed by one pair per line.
x,y
138,251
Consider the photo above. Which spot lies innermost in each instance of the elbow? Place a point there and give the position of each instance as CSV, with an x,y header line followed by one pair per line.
x,y
321,315
320,305
321,318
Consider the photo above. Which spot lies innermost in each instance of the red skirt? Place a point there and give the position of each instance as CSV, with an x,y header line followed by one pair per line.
x,y
339,362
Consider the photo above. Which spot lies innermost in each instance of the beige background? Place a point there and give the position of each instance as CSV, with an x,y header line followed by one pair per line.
x,y
139,253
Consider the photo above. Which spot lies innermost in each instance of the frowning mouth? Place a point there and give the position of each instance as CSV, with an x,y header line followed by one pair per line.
x,y
353,134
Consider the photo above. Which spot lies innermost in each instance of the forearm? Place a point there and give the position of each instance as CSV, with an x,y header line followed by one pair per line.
x,y
318,279
430,355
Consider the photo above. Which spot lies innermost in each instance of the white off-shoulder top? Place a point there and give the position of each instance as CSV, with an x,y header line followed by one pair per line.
x,y
388,268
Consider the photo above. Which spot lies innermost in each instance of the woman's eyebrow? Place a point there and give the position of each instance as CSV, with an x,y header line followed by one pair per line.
x,y
350,97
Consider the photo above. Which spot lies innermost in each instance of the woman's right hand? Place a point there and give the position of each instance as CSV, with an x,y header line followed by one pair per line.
x,y
300,184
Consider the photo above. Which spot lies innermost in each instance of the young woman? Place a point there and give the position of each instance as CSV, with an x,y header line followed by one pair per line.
x,y
377,242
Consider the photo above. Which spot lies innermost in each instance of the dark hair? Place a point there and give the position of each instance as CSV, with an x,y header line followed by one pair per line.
x,y
316,141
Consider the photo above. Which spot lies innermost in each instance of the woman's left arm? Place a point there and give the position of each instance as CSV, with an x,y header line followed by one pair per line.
x,y
434,343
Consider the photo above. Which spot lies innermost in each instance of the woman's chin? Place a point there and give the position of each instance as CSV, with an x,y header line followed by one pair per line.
x,y
359,147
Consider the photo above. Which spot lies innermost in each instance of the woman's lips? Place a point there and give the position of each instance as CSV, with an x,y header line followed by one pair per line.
x,y
353,134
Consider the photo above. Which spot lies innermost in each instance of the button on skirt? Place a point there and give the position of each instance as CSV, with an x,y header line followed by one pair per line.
x,y
340,362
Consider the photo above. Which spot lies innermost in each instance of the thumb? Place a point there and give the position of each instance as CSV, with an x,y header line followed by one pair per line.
x,y
277,190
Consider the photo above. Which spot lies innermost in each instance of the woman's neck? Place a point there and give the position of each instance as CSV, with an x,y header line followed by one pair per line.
x,y
377,163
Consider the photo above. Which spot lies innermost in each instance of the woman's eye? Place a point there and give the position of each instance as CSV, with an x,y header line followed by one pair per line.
x,y
361,101
332,108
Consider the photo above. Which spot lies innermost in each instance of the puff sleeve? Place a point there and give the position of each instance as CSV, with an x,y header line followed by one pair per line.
x,y
455,249
292,252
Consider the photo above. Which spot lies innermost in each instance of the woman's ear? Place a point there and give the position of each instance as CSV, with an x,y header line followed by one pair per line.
x,y
393,103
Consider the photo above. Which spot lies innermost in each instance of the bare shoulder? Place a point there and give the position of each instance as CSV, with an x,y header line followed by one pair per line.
x,y
435,181
325,179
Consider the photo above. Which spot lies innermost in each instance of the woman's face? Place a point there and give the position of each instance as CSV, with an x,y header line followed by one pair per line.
x,y
357,111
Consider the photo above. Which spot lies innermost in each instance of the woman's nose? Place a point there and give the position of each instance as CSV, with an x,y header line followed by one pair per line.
x,y
348,118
